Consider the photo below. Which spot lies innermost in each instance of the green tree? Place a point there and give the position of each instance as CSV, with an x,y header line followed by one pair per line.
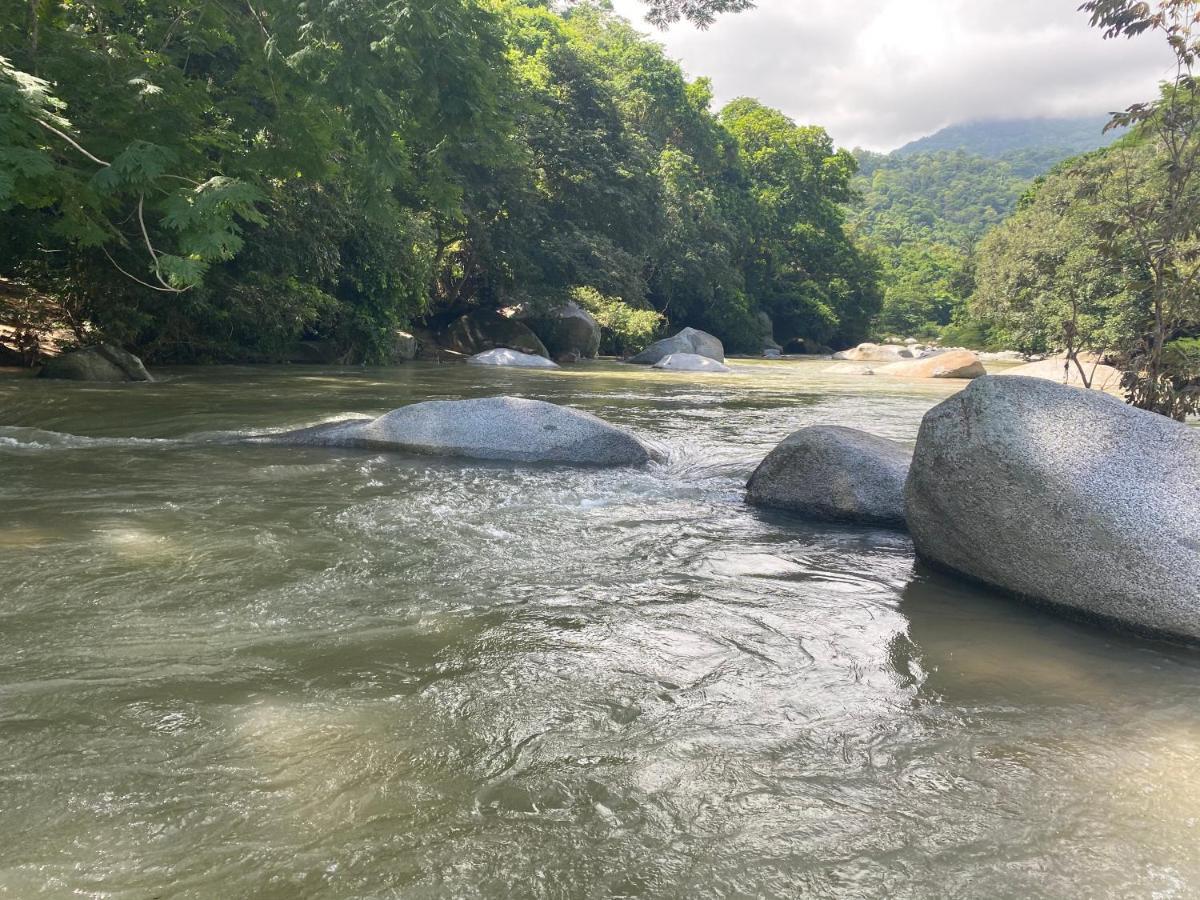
x,y
1158,216
1042,277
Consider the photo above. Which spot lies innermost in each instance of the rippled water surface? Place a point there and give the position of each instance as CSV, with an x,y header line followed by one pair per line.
x,y
243,671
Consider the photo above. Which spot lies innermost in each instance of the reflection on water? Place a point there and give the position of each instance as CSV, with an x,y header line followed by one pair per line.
x,y
272,672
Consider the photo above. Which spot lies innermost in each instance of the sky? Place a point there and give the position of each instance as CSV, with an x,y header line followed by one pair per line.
x,y
879,73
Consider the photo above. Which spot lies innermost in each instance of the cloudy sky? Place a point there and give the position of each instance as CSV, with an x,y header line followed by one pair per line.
x,y
878,73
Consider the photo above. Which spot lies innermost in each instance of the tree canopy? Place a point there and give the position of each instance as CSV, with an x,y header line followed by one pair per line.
x,y
214,182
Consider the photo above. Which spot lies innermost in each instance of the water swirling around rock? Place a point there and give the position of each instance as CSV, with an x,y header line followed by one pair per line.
x,y
300,672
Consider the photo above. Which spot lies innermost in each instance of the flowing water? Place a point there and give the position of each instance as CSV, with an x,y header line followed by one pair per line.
x,y
244,671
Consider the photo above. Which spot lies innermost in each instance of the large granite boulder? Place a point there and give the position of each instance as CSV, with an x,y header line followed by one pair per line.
x,y
950,364
98,362
568,331
510,358
500,428
480,331
689,340
1063,496
690,362
834,473
877,353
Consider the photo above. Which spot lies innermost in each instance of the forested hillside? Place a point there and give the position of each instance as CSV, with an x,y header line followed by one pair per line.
x,y
218,181
1029,146
925,206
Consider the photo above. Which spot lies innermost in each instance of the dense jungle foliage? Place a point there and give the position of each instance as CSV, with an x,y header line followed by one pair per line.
x,y
926,206
216,181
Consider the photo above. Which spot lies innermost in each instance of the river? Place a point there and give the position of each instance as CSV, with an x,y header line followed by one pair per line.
x,y
245,671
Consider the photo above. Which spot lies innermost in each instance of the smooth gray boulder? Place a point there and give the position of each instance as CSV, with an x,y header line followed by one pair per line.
x,y
690,362
834,473
512,359
689,340
98,362
568,331
1064,496
498,428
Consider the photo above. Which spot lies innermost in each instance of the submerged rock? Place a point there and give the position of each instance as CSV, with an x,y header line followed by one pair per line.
x,y
480,331
950,364
511,358
499,428
1064,496
690,362
689,340
99,362
835,473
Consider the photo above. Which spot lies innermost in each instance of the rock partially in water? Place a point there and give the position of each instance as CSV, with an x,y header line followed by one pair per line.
x,y
480,331
876,353
496,428
689,340
511,358
405,346
99,362
834,473
950,364
690,362
1064,496
568,331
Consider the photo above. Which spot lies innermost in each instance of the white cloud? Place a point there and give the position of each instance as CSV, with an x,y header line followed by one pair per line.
x,y
877,73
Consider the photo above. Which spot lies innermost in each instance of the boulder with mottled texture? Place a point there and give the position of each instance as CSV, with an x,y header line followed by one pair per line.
x,y
568,331
496,428
99,362
834,473
689,340
1064,496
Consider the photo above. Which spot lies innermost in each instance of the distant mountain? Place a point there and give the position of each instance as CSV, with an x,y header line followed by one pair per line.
x,y
1031,146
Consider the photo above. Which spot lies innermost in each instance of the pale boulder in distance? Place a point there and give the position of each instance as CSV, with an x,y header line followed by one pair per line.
x,y
690,362
950,364
511,359
1056,368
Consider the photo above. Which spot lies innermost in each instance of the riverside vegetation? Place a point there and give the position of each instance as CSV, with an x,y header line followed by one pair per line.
x,y
215,184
